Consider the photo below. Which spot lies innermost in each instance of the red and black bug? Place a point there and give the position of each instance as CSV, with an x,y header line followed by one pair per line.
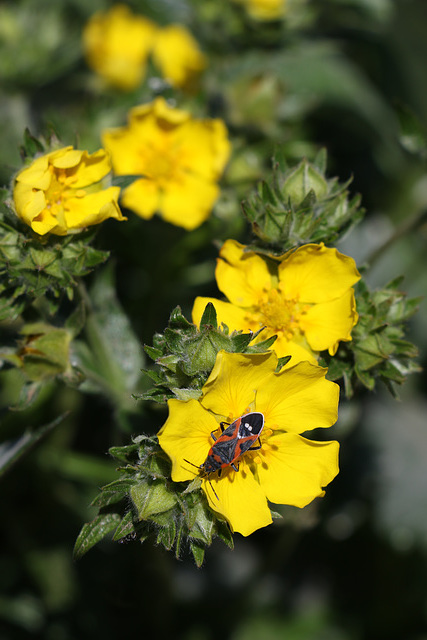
x,y
235,440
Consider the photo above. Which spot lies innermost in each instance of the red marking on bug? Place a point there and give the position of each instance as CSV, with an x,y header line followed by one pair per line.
x,y
235,440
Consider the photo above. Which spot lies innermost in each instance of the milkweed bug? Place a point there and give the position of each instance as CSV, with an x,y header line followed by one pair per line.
x,y
233,442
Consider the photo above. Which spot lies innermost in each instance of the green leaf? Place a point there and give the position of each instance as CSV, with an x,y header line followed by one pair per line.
x,y
113,492
124,181
112,359
202,524
150,499
281,362
198,552
224,533
152,352
94,531
125,528
123,453
31,145
209,317
166,535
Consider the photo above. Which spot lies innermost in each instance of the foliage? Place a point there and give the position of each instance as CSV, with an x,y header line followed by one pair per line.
x,y
324,109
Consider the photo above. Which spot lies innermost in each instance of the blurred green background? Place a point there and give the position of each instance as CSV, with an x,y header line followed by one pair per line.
x,y
349,75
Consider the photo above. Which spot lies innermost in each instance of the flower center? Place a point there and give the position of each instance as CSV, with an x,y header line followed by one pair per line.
x,y
60,191
160,163
281,315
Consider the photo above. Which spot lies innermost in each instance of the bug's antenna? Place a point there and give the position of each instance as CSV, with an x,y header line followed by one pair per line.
x,y
210,482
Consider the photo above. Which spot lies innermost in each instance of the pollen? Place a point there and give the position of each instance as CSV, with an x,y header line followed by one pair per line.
x,y
280,314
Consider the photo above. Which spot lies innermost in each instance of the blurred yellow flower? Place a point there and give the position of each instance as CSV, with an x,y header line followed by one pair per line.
x,y
179,157
61,192
177,55
288,468
264,9
117,44
305,297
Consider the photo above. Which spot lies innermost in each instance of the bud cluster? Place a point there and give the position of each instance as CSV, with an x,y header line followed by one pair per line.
x,y
299,205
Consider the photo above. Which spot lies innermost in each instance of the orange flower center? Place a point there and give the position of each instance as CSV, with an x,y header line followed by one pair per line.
x,y
281,315
161,163
60,191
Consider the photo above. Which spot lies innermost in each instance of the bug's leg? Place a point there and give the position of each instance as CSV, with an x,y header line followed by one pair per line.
x,y
255,448
221,424
234,466
216,495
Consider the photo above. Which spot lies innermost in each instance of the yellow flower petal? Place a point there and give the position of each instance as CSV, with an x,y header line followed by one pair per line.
x,y
117,44
47,223
66,158
29,203
240,500
314,273
177,55
298,399
62,191
326,324
163,114
186,436
142,197
264,9
234,317
94,208
123,146
299,352
204,147
94,167
234,381
242,277
295,470
179,157
188,202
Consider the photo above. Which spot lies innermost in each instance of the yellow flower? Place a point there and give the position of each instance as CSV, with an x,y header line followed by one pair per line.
x,y
305,297
264,9
177,55
61,192
288,468
180,158
117,44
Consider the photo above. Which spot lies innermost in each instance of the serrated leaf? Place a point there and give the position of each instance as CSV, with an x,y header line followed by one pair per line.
x,y
209,317
123,453
152,352
203,524
166,535
125,528
198,553
281,362
113,493
224,533
241,341
94,531
151,499
179,321
186,394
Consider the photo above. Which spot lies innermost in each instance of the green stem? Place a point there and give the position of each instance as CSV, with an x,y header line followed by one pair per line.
x,y
405,228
